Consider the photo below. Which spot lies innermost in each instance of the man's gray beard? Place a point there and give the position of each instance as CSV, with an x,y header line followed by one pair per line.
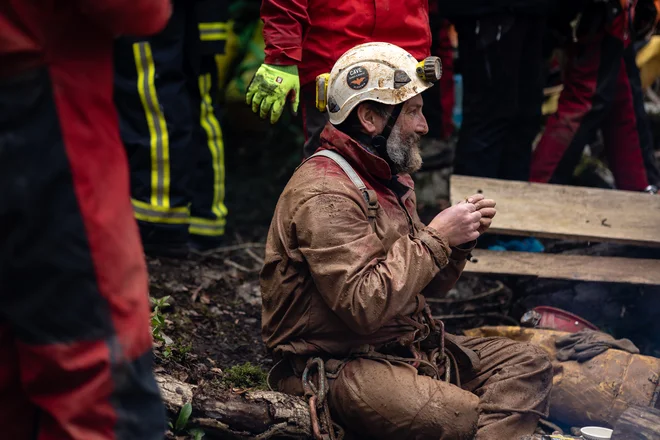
x,y
404,151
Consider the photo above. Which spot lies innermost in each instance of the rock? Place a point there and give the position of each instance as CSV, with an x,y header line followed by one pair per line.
x,y
250,293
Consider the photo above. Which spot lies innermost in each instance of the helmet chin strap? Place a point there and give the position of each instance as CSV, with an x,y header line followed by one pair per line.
x,y
379,142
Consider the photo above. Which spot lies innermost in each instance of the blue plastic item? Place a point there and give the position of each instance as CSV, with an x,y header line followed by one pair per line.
x,y
529,244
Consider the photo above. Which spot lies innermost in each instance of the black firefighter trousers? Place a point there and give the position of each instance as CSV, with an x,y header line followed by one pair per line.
x,y
166,91
501,62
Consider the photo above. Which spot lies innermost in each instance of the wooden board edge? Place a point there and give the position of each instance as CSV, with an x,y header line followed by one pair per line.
x,y
635,272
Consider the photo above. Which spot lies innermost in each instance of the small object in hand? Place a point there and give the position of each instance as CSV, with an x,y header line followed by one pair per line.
x,y
596,433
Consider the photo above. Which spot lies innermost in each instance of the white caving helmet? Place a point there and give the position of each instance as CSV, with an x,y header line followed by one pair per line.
x,y
380,72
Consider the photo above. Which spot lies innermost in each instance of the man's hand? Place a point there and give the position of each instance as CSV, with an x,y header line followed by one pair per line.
x,y
270,89
465,221
487,209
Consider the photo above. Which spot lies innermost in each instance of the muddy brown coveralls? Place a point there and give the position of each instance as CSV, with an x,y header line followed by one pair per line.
x,y
338,287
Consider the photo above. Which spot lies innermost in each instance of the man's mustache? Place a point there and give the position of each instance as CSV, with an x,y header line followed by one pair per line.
x,y
414,139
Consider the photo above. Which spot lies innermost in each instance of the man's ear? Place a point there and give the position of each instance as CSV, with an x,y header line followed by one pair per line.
x,y
372,123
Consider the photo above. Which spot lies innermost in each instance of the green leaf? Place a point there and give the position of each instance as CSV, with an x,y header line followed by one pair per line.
x,y
184,415
197,433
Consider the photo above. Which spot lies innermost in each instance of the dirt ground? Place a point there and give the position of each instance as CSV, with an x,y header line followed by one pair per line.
x,y
213,320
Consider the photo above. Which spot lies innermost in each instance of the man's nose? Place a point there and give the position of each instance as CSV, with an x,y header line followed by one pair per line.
x,y
422,127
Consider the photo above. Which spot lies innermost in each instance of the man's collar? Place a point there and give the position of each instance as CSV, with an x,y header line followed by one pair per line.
x,y
353,151
365,141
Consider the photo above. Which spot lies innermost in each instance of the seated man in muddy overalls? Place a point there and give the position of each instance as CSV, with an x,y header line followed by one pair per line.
x,y
348,262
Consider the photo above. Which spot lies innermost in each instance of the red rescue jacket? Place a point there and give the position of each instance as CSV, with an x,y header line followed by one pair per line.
x,y
73,33
313,34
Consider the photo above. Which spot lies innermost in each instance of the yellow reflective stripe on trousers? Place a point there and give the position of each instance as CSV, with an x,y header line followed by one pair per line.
x,y
213,31
216,146
204,226
159,137
159,214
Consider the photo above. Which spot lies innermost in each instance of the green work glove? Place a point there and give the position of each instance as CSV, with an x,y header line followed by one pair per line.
x,y
271,87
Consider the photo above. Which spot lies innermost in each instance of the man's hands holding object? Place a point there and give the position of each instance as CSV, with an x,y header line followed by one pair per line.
x,y
270,89
465,221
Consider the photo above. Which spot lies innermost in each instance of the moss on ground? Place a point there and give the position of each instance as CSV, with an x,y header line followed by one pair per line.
x,y
245,376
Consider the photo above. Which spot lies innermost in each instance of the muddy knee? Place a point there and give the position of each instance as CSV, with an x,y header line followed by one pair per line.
x,y
450,414
525,356
544,368
392,401
528,370
538,360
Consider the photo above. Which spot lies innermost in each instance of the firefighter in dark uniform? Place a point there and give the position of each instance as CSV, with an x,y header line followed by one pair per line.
x,y
166,91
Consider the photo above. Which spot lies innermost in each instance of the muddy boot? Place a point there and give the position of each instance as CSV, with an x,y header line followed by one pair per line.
x,y
205,244
164,240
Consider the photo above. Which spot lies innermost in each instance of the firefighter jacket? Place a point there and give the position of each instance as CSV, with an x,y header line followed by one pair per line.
x,y
75,35
313,34
333,280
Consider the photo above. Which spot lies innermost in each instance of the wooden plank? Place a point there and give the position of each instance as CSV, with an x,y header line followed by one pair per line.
x,y
567,212
566,267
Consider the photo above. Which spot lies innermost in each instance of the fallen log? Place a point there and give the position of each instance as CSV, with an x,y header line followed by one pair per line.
x,y
638,423
253,415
